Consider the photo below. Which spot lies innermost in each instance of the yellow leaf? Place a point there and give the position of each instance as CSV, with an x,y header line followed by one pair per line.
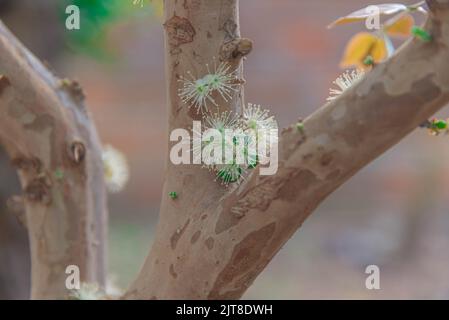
x,y
401,26
361,46
362,14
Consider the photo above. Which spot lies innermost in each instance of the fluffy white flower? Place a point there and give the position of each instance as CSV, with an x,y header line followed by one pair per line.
x,y
230,173
230,127
198,92
256,118
345,81
116,171
112,289
223,80
260,128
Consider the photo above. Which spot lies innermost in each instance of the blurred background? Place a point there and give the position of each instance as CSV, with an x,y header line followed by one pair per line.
x,y
394,213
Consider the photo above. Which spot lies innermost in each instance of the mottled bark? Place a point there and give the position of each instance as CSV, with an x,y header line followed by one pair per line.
x,y
212,242
49,138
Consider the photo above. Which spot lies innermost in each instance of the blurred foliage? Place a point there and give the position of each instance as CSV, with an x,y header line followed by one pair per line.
x,y
97,16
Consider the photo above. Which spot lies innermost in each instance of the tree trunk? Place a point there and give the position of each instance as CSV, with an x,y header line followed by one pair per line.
x,y
46,132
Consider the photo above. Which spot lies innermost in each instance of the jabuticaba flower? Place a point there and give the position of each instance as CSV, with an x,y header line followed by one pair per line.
x,y
230,173
116,170
362,45
260,128
197,92
221,122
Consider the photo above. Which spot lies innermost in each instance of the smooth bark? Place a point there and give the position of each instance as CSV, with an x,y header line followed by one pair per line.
x,y
212,242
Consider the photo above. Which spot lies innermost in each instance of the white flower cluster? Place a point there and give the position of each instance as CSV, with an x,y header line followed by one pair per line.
x,y
248,131
87,291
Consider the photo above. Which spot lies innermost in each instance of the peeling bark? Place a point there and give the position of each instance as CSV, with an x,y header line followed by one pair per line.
x,y
225,237
46,132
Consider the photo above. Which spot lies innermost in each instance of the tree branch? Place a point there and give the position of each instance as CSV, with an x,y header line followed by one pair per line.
x,y
211,243
45,129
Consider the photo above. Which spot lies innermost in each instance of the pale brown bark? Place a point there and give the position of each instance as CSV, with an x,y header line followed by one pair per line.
x,y
46,131
212,242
